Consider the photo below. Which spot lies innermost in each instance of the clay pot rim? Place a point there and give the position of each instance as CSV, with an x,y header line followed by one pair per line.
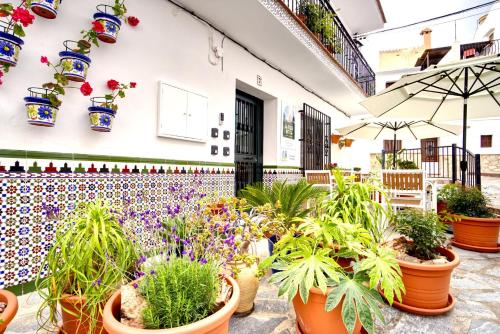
x,y
12,306
113,326
492,220
476,248
424,311
450,255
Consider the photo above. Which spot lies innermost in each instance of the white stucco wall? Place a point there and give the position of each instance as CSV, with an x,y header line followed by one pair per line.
x,y
169,45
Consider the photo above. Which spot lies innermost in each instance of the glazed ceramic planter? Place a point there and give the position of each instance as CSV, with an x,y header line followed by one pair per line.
x,y
40,111
77,324
45,8
249,284
217,323
101,118
428,285
476,234
313,319
75,65
10,311
10,46
111,24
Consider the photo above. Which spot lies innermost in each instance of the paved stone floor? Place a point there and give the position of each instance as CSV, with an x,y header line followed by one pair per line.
x,y
491,186
475,284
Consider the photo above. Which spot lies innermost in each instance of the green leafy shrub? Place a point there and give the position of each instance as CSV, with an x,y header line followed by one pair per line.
x,y
356,203
447,191
287,199
306,258
424,230
470,202
91,256
179,292
407,164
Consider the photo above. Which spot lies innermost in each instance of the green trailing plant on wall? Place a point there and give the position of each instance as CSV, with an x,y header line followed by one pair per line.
x,y
406,164
424,231
89,258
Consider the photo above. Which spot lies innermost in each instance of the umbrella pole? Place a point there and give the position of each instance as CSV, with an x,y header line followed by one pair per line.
x,y
463,163
394,152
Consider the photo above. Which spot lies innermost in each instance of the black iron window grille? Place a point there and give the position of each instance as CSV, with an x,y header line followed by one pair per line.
x,y
315,139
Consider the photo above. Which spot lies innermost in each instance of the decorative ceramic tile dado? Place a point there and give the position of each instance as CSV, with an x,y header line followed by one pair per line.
x,y
26,234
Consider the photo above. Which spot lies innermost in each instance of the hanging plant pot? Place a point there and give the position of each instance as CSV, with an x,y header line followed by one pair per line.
x,y
41,112
335,139
348,142
10,46
45,8
75,64
110,22
101,115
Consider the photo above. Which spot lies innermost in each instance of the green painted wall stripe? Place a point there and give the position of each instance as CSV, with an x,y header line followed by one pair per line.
x,y
281,167
20,154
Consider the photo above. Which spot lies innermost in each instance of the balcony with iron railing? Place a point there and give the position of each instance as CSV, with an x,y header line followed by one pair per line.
x,y
320,19
477,49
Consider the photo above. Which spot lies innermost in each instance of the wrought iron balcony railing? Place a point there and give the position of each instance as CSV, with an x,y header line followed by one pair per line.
x,y
476,49
320,18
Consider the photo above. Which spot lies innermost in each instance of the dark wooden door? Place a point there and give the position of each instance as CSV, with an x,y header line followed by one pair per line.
x,y
248,141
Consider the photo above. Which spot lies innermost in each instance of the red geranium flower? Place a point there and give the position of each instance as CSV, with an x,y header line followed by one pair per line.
x,y
97,26
133,84
44,60
113,84
86,89
133,21
22,15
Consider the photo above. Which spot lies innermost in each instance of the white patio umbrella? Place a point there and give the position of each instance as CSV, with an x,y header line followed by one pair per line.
x,y
460,90
376,129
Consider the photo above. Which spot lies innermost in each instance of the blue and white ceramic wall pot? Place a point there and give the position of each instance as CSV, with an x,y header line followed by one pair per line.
x,y
10,47
41,112
45,8
110,22
75,64
101,115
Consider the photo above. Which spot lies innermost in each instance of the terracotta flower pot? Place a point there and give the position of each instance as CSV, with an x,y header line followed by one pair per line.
x,y
217,323
302,17
217,209
10,311
335,139
313,319
441,206
78,323
427,285
348,142
477,234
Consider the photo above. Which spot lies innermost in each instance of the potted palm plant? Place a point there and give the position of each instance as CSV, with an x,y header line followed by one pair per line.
x,y
425,263
103,109
326,296
8,308
90,257
476,227
45,8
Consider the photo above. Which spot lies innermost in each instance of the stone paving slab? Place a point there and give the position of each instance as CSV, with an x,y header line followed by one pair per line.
x,y
475,284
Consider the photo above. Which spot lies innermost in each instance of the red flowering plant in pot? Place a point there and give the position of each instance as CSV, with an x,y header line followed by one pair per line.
x,y
42,105
12,21
111,18
103,110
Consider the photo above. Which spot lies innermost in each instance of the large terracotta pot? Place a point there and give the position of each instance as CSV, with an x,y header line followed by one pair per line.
x,y
427,285
79,324
217,323
10,311
313,319
477,234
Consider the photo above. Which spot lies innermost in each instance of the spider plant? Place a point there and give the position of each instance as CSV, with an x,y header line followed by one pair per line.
x,y
287,199
89,259
357,203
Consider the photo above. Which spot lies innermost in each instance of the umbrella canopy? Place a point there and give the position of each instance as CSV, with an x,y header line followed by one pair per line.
x,y
374,129
461,90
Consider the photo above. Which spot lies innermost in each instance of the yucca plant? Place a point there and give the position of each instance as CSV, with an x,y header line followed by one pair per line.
x,y
357,203
289,200
306,258
90,258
